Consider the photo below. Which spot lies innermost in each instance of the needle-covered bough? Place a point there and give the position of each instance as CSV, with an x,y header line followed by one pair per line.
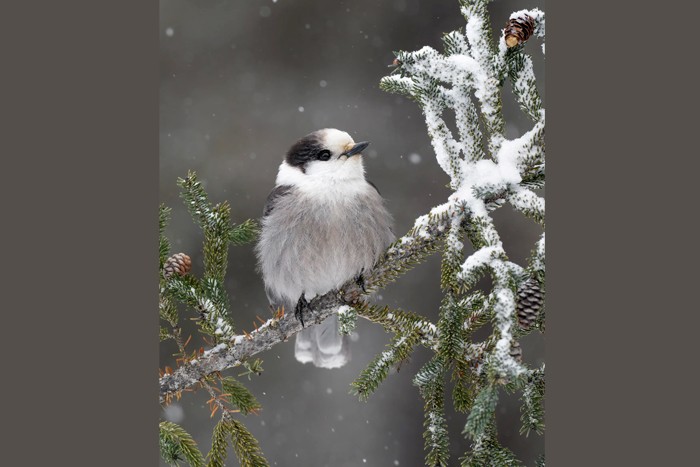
x,y
486,171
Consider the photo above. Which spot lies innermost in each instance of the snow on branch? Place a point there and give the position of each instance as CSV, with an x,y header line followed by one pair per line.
x,y
468,79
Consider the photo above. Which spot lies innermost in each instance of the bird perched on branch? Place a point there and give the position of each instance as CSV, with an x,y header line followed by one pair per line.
x,y
323,224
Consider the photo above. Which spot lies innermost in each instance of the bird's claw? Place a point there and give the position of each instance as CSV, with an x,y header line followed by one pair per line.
x,y
360,281
301,307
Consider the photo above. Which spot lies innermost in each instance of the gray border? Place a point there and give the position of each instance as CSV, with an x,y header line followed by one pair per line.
x,y
620,344
79,203
80,162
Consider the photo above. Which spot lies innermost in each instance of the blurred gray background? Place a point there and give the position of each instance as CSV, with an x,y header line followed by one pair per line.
x,y
240,82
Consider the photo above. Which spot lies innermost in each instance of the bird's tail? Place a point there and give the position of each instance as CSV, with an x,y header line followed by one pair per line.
x,y
323,345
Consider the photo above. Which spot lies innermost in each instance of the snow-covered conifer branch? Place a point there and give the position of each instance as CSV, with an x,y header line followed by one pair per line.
x,y
430,381
483,51
527,202
481,177
486,450
397,350
537,262
533,397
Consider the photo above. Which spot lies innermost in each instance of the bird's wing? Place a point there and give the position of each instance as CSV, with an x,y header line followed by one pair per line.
x,y
391,229
274,196
375,187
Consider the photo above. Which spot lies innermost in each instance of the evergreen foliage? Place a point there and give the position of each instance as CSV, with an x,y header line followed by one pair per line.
x,y
239,396
431,383
347,319
163,243
486,450
398,350
244,445
177,445
481,415
207,296
533,398
468,79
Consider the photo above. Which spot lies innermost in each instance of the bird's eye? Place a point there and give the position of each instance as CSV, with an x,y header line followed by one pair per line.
x,y
324,155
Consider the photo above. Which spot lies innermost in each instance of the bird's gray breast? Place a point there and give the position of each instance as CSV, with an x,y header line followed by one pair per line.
x,y
311,245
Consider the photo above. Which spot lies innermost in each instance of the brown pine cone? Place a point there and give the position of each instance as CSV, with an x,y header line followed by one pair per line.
x,y
518,30
529,303
178,263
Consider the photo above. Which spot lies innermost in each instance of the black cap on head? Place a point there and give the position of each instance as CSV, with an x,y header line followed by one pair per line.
x,y
305,150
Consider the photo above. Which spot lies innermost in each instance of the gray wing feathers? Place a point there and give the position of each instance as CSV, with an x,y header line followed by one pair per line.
x,y
274,196
323,345
374,186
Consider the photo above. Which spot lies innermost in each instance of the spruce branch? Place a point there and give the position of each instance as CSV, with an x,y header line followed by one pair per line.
x,y
163,243
244,444
529,204
244,233
371,377
533,397
522,75
164,334
486,450
483,50
219,446
431,383
537,260
239,396
176,284
177,445
482,177
463,391
482,412
400,322
167,309
347,319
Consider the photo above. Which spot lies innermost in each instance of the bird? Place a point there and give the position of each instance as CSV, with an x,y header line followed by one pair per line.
x,y
323,225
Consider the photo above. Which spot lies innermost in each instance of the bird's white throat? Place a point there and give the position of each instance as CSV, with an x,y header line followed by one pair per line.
x,y
343,176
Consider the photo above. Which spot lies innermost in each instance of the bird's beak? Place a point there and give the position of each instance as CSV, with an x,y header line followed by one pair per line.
x,y
356,148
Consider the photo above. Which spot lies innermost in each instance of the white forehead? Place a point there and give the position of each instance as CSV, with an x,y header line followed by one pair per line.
x,y
335,140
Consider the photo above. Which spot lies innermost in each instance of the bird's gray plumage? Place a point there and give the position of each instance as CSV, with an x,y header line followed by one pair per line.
x,y
319,230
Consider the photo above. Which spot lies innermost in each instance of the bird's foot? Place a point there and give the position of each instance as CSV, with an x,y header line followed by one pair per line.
x,y
300,309
360,280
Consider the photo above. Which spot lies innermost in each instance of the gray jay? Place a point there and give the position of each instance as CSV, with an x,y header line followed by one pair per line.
x,y
323,224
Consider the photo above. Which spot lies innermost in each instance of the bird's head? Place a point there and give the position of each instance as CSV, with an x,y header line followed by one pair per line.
x,y
327,153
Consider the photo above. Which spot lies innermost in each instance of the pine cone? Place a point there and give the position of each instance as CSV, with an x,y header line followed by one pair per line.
x,y
518,30
530,302
178,263
516,351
